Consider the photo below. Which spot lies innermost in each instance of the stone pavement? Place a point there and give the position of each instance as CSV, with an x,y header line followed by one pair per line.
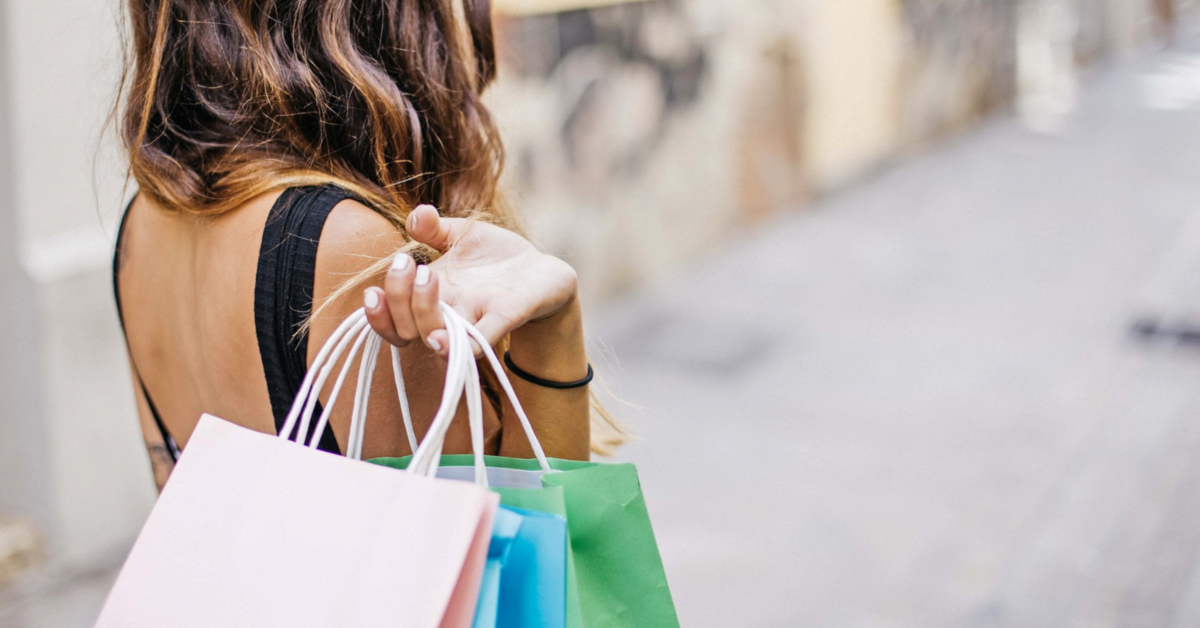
x,y
917,404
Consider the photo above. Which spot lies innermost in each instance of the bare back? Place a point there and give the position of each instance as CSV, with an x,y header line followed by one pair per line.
x,y
187,287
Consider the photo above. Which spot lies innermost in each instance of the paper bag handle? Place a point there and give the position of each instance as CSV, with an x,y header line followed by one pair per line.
x,y
460,332
462,377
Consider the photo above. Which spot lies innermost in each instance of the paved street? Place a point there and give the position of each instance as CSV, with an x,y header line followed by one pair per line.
x,y
918,403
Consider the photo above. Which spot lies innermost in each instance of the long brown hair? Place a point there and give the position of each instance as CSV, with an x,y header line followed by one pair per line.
x,y
225,100
228,99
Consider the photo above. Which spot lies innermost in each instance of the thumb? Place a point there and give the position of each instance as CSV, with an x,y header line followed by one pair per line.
x,y
427,227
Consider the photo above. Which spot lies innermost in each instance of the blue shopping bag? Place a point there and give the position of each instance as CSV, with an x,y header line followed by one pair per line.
x,y
505,529
525,580
533,581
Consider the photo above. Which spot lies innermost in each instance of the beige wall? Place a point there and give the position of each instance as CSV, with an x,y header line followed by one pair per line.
x,y
65,191
852,57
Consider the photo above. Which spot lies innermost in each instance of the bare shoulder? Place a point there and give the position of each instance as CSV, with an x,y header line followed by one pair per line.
x,y
354,238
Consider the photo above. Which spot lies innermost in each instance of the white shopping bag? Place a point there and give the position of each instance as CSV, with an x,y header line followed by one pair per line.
x,y
255,530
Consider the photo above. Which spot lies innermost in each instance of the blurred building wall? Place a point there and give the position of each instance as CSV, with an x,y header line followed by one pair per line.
x,y
641,135
852,54
22,444
68,417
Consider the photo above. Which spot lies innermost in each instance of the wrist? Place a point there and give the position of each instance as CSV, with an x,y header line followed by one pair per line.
x,y
552,347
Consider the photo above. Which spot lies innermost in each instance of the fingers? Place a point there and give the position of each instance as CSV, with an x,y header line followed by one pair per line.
x,y
379,316
406,308
398,285
427,227
426,312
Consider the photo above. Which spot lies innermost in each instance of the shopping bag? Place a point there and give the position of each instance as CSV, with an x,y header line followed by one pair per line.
x,y
505,527
619,572
533,587
524,583
254,530
614,562
547,500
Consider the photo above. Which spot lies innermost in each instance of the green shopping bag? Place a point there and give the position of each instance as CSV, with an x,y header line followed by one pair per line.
x,y
618,576
618,572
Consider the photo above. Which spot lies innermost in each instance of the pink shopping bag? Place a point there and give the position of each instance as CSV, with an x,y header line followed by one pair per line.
x,y
255,530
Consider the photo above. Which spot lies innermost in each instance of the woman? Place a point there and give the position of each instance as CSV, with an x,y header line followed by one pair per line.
x,y
289,154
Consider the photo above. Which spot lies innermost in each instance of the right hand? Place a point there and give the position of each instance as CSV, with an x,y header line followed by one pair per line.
x,y
494,277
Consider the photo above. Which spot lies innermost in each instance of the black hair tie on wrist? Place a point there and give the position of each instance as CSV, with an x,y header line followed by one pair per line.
x,y
534,379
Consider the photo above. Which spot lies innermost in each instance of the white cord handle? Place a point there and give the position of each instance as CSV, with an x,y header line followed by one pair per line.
x,y
501,375
366,373
428,454
336,344
455,324
403,395
462,378
327,411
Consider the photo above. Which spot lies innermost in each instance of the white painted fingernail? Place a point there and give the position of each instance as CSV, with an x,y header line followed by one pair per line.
x,y
434,344
422,275
400,262
370,299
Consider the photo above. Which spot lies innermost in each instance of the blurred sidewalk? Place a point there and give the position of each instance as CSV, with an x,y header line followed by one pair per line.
x,y
917,404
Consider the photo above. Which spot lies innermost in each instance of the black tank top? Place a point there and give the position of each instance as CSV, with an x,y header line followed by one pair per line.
x,y
283,296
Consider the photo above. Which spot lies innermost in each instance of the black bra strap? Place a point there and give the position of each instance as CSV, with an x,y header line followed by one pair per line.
x,y
283,294
172,447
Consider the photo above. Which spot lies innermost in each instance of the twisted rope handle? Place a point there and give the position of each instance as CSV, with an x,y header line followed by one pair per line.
x,y
462,378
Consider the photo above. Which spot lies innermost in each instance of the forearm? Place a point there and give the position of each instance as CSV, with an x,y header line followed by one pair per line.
x,y
552,348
